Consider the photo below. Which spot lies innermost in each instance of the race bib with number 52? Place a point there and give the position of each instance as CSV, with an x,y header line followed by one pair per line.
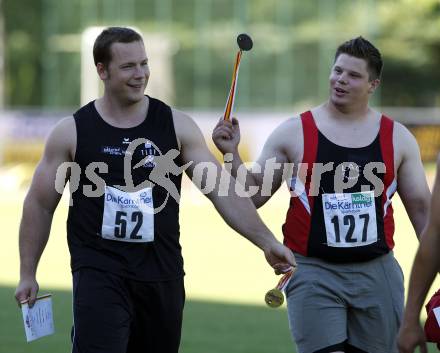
x,y
350,219
128,216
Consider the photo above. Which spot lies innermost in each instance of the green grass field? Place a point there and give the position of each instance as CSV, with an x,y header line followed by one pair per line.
x,y
208,327
226,279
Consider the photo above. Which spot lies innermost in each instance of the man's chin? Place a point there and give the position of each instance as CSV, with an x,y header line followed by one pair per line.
x,y
133,99
339,102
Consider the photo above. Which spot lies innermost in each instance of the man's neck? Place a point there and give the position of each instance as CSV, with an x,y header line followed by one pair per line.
x,y
345,112
116,112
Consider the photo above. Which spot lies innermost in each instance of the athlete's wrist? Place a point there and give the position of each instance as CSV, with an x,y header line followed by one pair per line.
x,y
28,272
229,156
28,277
268,242
411,317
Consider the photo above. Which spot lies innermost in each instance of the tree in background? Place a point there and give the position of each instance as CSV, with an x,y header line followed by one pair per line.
x,y
289,66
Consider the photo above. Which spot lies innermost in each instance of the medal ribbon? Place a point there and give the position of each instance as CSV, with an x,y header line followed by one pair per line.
x,y
282,284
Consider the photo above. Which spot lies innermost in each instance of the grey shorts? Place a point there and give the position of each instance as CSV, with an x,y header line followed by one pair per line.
x,y
362,303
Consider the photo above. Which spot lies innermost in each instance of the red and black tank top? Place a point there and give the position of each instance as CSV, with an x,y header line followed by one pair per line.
x,y
351,224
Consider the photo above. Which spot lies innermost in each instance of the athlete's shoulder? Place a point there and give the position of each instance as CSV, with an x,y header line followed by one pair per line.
x,y
287,140
405,143
187,131
62,138
182,120
64,127
402,133
288,127
285,133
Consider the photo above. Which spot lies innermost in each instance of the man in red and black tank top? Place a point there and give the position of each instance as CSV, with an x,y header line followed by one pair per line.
x,y
346,161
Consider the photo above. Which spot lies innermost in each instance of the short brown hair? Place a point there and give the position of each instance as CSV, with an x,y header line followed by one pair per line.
x,y
361,48
110,35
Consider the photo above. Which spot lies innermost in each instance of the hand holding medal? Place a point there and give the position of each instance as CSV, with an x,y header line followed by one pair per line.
x,y
275,298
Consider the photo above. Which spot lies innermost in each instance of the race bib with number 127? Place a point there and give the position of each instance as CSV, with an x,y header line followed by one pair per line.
x,y
350,219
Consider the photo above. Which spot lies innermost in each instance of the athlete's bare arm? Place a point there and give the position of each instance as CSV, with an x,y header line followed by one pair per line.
x,y
279,158
238,212
411,181
39,206
425,267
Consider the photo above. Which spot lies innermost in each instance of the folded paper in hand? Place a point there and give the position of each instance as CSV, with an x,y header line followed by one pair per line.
x,y
38,320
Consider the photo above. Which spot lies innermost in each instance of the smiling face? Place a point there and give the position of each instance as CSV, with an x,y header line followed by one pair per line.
x,y
350,83
126,75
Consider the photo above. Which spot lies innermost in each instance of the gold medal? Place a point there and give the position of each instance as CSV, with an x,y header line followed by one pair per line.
x,y
274,298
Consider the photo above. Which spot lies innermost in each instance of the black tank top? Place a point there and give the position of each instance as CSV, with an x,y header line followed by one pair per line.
x,y
115,232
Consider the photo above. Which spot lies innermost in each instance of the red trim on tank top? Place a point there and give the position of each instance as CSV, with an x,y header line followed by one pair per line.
x,y
298,219
387,150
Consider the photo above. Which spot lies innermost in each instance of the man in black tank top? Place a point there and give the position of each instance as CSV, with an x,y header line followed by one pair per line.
x,y
343,162
126,152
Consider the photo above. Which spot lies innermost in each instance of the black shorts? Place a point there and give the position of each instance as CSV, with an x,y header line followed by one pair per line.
x,y
113,314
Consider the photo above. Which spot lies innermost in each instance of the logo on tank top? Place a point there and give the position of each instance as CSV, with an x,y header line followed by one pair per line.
x,y
148,152
117,150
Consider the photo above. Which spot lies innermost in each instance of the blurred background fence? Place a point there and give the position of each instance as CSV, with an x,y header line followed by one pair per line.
x,y
288,67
